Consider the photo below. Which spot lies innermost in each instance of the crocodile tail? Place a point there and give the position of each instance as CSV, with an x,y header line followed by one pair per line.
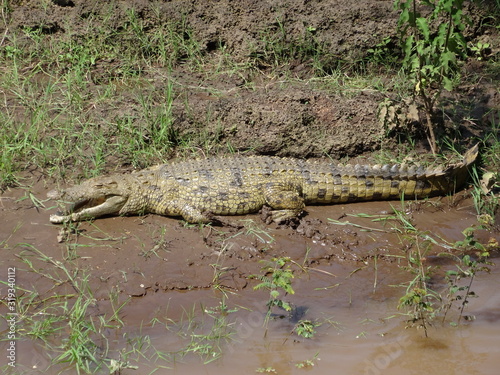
x,y
453,178
460,171
389,182
470,156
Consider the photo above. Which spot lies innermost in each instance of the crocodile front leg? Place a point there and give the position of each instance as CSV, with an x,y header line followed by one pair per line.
x,y
191,214
285,201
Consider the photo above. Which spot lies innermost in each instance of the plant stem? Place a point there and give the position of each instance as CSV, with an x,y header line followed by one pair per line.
x,y
429,109
466,298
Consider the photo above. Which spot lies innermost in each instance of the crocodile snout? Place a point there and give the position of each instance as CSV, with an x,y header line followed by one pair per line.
x,y
54,194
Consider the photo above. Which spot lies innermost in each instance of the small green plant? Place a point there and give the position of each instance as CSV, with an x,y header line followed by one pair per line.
x,y
382,52
432,43
281,275
307,363
277,278
479,50
466,268
266,370
420,303
419,300
470,242
474,260
306,328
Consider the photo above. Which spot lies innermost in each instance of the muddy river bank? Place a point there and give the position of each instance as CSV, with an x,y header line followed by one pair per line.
x,y
182,297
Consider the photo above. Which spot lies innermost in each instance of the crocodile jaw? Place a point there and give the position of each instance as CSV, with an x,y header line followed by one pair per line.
x,y
89,208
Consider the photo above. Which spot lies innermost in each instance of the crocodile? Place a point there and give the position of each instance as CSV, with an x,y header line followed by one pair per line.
x,y
197,190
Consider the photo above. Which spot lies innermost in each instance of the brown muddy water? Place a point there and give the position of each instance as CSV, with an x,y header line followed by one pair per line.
x,y
175,278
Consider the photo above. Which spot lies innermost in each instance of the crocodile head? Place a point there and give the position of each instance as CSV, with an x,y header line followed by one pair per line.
x,y
93,198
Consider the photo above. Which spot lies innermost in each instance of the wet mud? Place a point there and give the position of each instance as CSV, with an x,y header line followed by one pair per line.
x,y
349,278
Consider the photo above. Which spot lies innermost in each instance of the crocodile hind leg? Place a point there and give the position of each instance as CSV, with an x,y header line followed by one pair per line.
x,y
284,200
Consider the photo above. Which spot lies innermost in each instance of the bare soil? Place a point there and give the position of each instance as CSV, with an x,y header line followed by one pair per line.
x,y
282,112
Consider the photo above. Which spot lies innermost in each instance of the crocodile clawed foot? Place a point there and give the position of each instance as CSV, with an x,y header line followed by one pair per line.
x,y
266,214
221,221
280,217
